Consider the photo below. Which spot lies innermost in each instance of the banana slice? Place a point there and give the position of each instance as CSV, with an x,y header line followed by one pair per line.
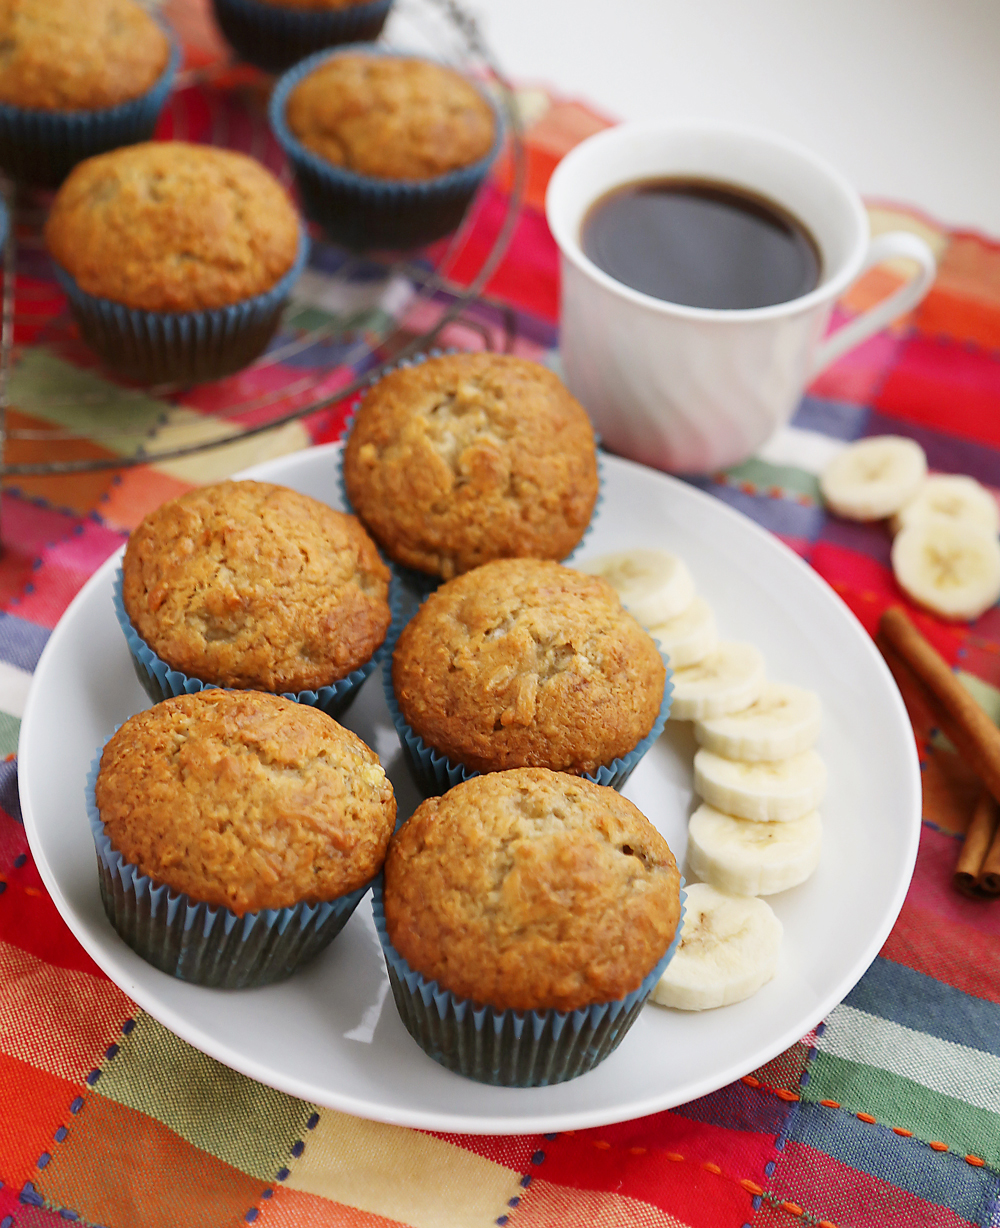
x,y
952,568
728,949
747,858
874,477
727,680
690,637
783,722
950,496
766,792
653,586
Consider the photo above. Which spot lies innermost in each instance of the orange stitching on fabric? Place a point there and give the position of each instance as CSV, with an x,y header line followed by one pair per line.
x,y
825,1223
783,1094
602,1145
672,1155
751,1187
750,1081
637,1151
935,1144
792,1208
712,1168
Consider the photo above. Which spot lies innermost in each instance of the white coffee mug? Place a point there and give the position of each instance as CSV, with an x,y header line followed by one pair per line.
x,y
690,389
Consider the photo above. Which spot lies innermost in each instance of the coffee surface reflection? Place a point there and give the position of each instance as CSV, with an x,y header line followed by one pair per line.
x,y
701,243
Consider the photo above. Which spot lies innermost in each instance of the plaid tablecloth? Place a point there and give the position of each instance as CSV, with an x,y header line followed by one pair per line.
x,y
888,1114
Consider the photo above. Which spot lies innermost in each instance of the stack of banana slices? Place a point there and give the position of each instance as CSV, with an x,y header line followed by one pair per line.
x,y
945,555
758,831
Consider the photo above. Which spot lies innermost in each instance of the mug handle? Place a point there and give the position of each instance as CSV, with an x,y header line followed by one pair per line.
x,y
884,247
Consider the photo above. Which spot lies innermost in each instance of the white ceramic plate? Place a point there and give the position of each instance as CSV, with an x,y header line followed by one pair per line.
x,y
331,1034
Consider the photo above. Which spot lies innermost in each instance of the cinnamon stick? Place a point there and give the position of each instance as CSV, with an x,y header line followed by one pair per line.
x,y
963,722
979,838
988,882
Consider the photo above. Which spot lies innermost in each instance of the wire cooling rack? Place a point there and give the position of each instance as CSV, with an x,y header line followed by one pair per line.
x,y
302,373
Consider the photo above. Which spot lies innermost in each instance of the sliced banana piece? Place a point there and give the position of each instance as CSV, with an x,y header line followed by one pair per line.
x,y
690,637
950,496
784,721
727,680
874,477
654,586
766,792
728,949
742,857
952,568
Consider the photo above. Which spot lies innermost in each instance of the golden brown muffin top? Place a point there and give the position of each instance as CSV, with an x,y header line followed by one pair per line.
x,y
251,585
523,663
390,117
528,890
169,226
245,800
471,457
78,55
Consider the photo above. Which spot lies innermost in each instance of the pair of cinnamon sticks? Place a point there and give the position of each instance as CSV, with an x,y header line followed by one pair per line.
x,y
924,678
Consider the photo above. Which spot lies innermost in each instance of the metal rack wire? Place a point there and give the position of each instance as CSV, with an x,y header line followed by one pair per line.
x,y
440,28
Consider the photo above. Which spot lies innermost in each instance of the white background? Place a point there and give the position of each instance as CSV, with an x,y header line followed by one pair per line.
x,y
903,96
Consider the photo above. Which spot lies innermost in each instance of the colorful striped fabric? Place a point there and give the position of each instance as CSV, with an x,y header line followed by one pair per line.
x,y
889,1114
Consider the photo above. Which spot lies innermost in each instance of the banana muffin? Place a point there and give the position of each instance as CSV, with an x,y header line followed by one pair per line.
x,y
524,663
275,34
471,457
251,585
64,55
169,226
390,117
528,890
245,801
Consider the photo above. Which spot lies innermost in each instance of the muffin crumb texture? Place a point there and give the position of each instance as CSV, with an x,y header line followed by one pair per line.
x,y
528,890
390,117
170,226
245,801
247,584
471,457
78,55
523,663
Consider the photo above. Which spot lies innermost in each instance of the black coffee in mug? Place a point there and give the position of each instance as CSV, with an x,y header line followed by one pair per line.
x,y
700,243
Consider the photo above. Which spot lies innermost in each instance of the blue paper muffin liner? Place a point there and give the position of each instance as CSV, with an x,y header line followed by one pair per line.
x,y
419,584
274,37
204,944
509,1048
160,681
42,147
180,347
436,773
362,212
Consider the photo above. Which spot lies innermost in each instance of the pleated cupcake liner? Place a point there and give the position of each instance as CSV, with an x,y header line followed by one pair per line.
x,y
435,773
509,1048
42,147
362,212
160,681
419,584
274,37
201,943
180,347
